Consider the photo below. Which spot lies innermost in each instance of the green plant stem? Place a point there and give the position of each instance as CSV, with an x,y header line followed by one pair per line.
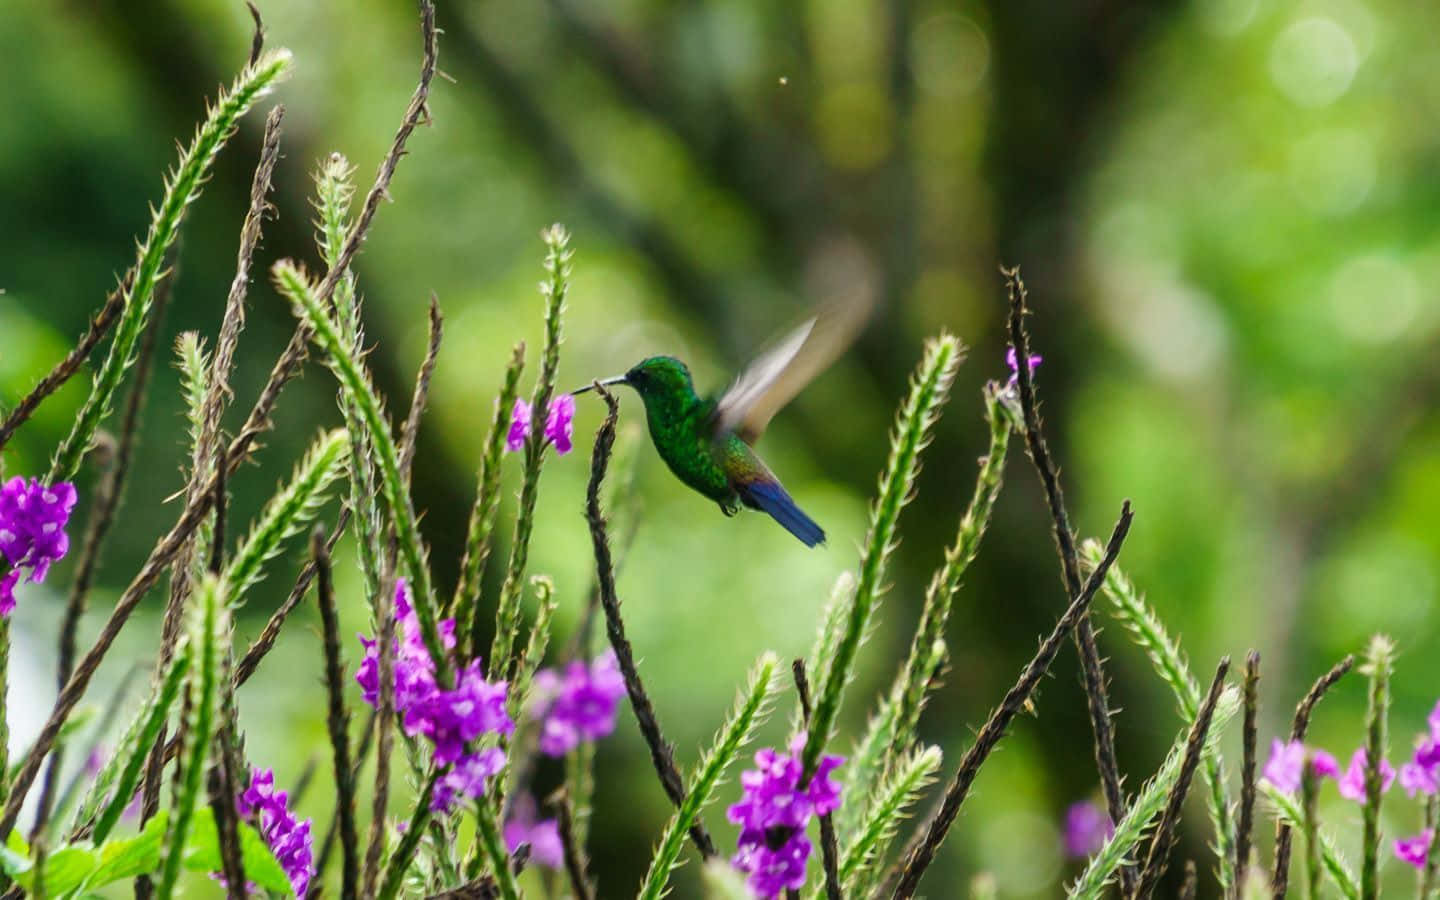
x,y
493,846
1289,811
1379,663
1310,825
181,188
554,289
928,392
355,381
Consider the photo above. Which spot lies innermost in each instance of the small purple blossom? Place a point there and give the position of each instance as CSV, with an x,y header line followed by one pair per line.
x,y
773,814
579,705
32,531
466,778
288,838
1013,362
559,424
1087,828
95,760
1421,773
449,719
542,835
1352,783
1414,850
1287,760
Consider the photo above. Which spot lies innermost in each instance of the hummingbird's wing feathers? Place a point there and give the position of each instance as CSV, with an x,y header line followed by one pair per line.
x,y
782,371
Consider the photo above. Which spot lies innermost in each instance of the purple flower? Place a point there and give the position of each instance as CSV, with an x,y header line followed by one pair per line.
x,y
1087,828
558,424
288,838
579,705
1413,850
1287,760
466,778
773,814
449,719
1421,774
1014,363
1352,783
543,836
95,760
519,426
32,531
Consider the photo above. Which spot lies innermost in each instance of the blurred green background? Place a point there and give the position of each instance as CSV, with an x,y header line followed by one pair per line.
x,y
1226,211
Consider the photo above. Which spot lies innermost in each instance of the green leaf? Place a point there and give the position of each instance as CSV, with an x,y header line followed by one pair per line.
x,y
124,858
202,853
65,869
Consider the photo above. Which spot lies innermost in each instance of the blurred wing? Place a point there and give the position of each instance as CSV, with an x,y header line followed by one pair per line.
x,y
782,371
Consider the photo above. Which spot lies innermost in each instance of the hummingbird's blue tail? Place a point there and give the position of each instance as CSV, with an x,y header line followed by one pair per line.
x,y
770,497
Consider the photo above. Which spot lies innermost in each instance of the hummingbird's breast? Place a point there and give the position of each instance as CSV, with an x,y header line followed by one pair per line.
x,y
682,439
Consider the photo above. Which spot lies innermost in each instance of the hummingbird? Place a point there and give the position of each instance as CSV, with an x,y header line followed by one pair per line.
x,y
708,441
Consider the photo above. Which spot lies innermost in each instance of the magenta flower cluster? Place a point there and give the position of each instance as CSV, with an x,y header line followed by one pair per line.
x,y
32,531
579,704
448,719
1013,361
1087,828
1420,775
773,814
542,836
558,424
288,838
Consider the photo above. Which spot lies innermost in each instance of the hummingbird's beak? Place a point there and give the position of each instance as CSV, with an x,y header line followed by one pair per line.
x,y
618,379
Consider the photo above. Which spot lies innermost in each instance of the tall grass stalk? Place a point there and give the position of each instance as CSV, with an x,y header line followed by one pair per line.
x,y
891,731
1149,634
1379,663
885,810
181,188
1288,811
751,709
929,390
355,383
208,627
1146,806
289,513
553,290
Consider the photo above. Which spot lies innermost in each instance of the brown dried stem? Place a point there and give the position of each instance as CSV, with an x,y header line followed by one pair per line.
x,y
1251,700
338,720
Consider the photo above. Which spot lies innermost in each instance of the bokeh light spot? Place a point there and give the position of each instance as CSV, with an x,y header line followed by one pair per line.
x,y
1374,298
950,55
1313,62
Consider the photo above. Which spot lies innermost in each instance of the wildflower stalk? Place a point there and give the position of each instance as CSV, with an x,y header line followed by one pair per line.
x,y
355,382
661,753
507,613
1432,856
929,389
181,188
66,368
751,709
1289,812
123,770
1243,831
289,512
832,624
1310,819
1096,691
524,674
493,846
1380,660
576,865
466,601
829,844
891,731
206,632
1131,830
1158,857
580,783
893,795
338,720
1148,632
923,853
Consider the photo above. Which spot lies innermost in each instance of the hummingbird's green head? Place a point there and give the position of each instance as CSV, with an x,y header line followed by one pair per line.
x,y
660,376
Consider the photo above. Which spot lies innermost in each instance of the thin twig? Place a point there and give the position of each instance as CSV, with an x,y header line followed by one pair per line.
x,y
1164,838
576,865
661,753
1280,878
327,845
1090,662
224,780
1187,888
994,729
1251,697
338,719
67,367
411,430
829,851
257,42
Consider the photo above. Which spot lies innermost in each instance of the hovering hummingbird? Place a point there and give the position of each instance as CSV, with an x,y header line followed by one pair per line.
x,y
707,441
